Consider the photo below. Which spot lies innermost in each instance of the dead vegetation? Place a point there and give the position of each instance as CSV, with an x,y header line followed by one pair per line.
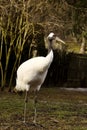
x,y
57,109
23,25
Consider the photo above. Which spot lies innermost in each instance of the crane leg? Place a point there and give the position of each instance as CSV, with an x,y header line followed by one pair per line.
x,y
25,106
35,107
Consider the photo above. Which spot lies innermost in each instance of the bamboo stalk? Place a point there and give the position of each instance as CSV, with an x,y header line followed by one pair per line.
x,y
20,42
17,29
0,61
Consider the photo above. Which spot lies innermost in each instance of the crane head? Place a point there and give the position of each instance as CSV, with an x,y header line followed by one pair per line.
x,y
54,42
52,36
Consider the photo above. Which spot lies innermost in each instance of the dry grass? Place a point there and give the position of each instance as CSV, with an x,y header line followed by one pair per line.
x,y
57,110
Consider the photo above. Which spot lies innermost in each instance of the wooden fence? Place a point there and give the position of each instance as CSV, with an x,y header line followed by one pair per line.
x,y
77,71
69,70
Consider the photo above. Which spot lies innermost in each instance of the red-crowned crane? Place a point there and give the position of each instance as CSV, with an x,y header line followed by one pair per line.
x,y
32,73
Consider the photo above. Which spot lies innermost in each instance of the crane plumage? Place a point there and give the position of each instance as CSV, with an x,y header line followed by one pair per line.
x,y
32,73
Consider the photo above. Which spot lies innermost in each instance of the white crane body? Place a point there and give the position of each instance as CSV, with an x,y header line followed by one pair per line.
x,y
32,73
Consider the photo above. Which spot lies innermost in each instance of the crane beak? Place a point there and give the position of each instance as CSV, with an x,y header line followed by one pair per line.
x,y
59,40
